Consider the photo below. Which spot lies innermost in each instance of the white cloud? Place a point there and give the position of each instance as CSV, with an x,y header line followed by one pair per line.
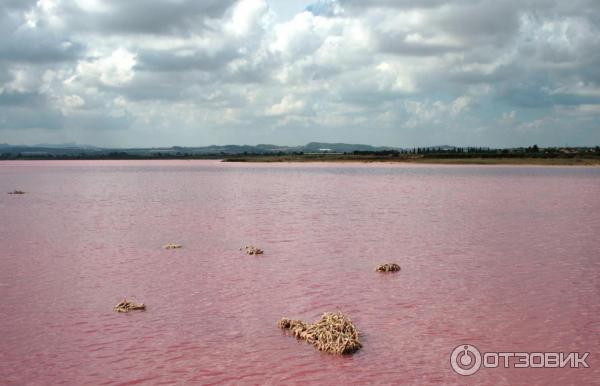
x,y
460,104
22,81
73,101
288,105
509,116
247,15
115,69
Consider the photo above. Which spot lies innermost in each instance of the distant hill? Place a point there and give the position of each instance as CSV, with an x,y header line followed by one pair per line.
x,y
341,147
68,145
87,151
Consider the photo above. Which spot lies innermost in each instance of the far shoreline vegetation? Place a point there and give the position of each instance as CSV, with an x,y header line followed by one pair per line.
x,y
321,152
532,155
558,161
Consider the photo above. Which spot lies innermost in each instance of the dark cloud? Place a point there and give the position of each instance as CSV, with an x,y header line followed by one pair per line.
x,y
147,17
16,5
170,60
15,98
97,121
168,87
39,48
535,94
407,4
493,22
396,44
527,94
29,117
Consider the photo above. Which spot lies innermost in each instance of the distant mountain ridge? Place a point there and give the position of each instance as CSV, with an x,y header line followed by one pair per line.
x,y
68,145
71,149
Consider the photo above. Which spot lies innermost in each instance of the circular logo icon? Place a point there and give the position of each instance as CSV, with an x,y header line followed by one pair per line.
x,y
465,359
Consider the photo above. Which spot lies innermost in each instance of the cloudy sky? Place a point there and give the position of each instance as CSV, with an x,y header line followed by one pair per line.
x,y
383,72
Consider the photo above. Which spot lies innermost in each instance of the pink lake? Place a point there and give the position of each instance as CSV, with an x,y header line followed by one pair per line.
x,y
502,258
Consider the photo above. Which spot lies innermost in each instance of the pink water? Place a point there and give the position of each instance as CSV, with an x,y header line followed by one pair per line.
x,y
504,258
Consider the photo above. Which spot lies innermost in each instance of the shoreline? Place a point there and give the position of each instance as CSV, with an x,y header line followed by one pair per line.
x,y
534,161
